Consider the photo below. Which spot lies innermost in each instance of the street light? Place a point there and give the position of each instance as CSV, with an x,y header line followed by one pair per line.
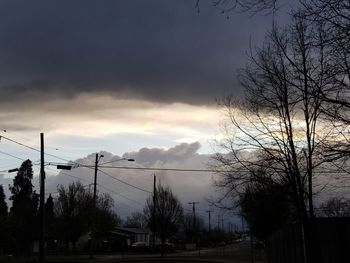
x,y
13,170
121,159
64,167
97,160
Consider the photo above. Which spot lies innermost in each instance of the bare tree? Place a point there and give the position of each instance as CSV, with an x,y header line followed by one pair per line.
x,y
136,220
265,206
254,6
335,207
334,16
278,126
168,213
73,209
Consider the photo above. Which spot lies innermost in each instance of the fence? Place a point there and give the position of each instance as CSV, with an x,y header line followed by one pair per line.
x,y
327,241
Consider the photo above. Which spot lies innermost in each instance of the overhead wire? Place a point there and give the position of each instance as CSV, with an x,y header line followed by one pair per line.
x,y
13,156
160,169
137,168
109,190
37,150
115,193
119,180
79,165
69,175
122,167
182,169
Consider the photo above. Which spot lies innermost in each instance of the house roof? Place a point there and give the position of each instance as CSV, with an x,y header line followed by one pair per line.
x,y
131,230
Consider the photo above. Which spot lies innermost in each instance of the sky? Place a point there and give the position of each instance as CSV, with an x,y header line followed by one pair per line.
x,y
119,77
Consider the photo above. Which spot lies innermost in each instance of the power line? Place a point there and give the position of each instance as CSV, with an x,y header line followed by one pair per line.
x,y
75,177
160,169
143,168
183,170
119,180
113,192
37,150
13,156
109,190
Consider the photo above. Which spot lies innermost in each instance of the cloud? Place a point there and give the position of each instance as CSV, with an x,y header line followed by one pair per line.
x,y
188,186
151,156
153,50
101,117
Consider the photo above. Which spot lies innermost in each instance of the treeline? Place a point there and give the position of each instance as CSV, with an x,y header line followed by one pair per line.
x,y
67,217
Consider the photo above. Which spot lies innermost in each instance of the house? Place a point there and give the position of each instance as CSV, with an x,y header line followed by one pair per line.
x,y
120,238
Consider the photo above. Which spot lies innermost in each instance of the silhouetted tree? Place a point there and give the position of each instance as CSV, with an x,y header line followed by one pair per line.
x,y
278,127
266,207
24,209
74,209
4,224
335,207
168,213
254,6
3,204
49,205
333,16
106,218
50,223
136,220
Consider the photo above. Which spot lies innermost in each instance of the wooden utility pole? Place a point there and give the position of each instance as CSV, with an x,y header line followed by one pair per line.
x,y
194,218
92,243
209,219
42,202
242,224
154,211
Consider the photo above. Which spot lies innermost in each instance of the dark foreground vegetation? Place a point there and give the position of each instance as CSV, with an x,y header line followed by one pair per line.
x,y
288,140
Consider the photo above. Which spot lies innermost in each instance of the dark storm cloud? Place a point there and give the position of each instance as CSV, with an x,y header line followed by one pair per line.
x,y
156,50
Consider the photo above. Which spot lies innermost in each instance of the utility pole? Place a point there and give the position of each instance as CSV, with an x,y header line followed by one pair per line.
x,y
90,188
93,231
222,222
209,219
42,202
242,224
218,222
194,217
154,210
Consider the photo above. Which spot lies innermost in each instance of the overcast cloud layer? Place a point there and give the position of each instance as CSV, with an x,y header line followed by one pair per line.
x,y
154,50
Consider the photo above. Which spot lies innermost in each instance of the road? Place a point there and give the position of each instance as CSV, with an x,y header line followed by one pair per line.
x,y
235,253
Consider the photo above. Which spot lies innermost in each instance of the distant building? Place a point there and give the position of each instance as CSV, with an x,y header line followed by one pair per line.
x,y
132,235
120,238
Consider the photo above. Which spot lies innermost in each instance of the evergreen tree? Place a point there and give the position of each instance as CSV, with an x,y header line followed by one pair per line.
x,y
4,229
52,233
23,212
49,207
3,205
